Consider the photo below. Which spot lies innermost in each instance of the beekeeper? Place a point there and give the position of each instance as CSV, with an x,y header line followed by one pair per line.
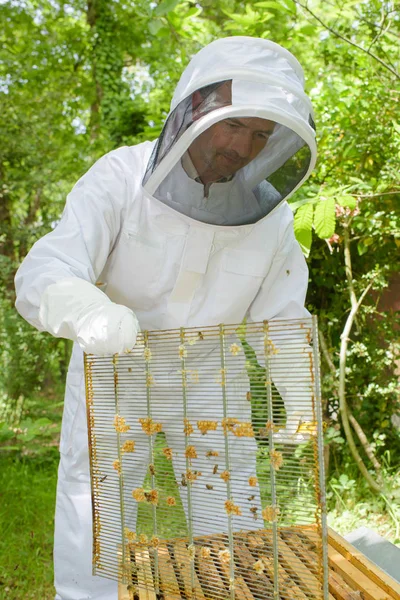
x,y
190,230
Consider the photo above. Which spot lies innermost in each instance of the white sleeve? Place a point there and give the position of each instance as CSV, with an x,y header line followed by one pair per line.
x,y
82,241
282,296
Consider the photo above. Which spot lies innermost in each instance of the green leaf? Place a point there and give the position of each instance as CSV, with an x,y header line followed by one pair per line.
x,y
347,201
193,12
296,205
164,32
270,4
307,30
165,7
155,25
324,218
396,126
303,220
362,245
289,5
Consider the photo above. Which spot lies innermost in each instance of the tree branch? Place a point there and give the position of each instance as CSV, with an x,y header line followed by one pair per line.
x,y
356,426
344,339
345,39
348,267
364,20
365,443
325,352
376,195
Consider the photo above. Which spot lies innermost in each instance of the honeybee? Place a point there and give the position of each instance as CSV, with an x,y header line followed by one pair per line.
x,y
254,510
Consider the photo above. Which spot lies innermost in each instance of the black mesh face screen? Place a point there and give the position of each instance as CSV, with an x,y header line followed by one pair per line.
x,y
285,179
192,108
216,180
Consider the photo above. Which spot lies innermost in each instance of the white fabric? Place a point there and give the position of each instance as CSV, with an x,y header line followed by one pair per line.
x,y
267,82
227,55
257,269
75,309
171,270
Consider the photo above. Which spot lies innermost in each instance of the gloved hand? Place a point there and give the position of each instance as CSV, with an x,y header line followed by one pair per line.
x,y
76,309
298,428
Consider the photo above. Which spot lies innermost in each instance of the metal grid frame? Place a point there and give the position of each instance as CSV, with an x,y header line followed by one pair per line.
x,y
138,402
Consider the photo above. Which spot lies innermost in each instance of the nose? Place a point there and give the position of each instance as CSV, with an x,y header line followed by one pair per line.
x,y
243,144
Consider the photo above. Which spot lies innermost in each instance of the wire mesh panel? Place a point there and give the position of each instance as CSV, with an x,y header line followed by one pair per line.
x,y
207,463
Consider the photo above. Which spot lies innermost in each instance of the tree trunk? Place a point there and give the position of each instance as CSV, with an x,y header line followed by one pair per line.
x,y
95,116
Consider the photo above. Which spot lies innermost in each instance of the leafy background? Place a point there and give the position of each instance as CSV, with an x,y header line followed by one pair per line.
x,y
80,78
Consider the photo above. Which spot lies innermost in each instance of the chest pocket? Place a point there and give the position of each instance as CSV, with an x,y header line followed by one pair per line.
x,y
240,277
145,257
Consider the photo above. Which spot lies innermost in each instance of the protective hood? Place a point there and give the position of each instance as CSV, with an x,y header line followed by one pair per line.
x,y
255,89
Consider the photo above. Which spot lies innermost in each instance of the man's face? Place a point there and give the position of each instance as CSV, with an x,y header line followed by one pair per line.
x,y
228,146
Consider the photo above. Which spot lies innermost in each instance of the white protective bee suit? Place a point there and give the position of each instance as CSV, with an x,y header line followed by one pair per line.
x,y
137,225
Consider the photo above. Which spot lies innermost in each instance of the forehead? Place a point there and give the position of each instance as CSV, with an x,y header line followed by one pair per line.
x,y
254,123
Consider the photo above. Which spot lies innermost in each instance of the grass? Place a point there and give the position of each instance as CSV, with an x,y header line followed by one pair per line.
x,y
27,501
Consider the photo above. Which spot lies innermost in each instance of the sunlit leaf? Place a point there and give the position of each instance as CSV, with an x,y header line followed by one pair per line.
x,y
165,7
155,25
269,4
324,218
347,201
303,220
396,126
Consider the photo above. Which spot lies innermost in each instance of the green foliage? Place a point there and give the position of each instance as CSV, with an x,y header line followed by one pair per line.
x,y
324,218
303,226
79,79
351,502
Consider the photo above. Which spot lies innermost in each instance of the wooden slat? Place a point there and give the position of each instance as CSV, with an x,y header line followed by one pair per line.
x,y
169,582
145,576
288,588
340,589
354,577
292,563
209,577
183,561
258,583
265,538
307,556
300,548
359,560
242,592
123,592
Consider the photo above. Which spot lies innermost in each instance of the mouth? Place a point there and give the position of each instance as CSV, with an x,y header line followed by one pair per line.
x,y
232,161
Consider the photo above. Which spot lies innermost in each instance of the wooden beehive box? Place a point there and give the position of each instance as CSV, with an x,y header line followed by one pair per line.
x,y
351,575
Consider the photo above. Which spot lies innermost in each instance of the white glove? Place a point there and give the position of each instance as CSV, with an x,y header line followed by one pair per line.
x,y
77,310
293,432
